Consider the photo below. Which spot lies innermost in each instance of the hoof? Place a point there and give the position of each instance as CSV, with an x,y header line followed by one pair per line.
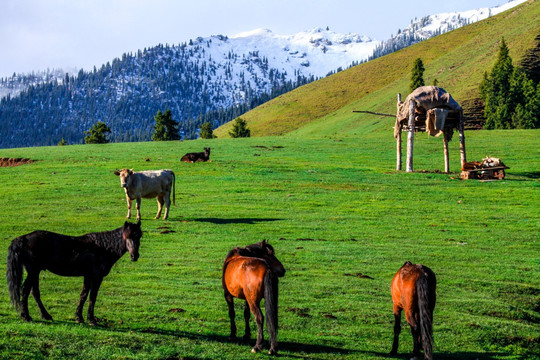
x,y
272,352
26,317
46,317
393,352
246,337
256,349
79,320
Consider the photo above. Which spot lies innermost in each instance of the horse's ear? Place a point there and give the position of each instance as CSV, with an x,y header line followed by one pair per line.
x,y
264,242
117,172
139,223
126,224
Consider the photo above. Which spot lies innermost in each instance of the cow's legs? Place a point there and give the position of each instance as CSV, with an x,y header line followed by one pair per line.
x,y
159,205
128,200
167,199
138,206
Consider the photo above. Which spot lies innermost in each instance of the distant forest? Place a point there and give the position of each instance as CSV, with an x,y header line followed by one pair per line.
x,y
129,92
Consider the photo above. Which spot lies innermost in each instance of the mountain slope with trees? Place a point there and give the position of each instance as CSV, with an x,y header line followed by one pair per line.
x,y
456,61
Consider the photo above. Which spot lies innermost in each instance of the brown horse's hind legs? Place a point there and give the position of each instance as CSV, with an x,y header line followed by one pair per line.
x,y
37,296
397,330
247,315
232,314
259,319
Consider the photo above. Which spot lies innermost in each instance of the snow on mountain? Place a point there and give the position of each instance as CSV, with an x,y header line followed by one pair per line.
x,y
433,25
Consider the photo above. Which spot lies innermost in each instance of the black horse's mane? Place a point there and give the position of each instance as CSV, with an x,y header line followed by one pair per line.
x,y
109,240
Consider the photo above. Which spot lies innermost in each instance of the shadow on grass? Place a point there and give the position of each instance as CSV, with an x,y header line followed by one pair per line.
x,y
249,221
530,175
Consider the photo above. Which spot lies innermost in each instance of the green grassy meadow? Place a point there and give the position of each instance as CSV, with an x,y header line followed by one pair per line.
x,y
333,207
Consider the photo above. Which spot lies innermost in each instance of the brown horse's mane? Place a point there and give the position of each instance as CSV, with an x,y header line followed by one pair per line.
x,y
257,250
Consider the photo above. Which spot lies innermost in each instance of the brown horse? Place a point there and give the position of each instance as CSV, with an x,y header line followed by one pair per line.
x,y
251,273
413,290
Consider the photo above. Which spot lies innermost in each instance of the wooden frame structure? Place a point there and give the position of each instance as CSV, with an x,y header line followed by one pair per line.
x,y
418,112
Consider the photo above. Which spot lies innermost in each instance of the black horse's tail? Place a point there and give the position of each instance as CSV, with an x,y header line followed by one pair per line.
x,y
14,271
426,314
271,307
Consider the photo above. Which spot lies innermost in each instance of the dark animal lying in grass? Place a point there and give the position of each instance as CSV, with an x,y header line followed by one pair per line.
x,y
91,256
197,156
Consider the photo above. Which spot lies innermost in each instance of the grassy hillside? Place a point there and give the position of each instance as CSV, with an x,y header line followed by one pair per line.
x,y
457,60
332,208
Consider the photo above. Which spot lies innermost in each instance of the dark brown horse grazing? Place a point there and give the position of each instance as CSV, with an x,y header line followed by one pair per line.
x,y
251,273
91,255
197,156
413,290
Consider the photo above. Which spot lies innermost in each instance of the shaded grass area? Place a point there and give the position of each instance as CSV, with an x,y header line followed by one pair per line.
x,y
341,219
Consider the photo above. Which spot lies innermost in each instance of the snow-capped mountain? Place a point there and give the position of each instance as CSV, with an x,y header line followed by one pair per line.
x,y
213,79
433,25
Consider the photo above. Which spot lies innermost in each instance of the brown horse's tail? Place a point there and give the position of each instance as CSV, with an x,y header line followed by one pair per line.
x,y
14,271
425,306
271,307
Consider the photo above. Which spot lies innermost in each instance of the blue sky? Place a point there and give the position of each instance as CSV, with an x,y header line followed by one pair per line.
x,y
41,34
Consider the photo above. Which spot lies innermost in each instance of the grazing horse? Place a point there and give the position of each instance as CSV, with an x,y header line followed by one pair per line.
x,y
197,156
251,273
413,290
91,256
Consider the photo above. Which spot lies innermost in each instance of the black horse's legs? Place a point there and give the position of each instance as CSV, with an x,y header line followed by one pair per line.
x,y
229,298
259,319
247,314
37,296
84,295
96,283
26,288
397,330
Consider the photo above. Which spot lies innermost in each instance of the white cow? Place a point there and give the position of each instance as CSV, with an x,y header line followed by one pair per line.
x,y
148,184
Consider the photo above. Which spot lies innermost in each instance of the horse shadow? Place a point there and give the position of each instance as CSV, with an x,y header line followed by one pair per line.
x,y
249,221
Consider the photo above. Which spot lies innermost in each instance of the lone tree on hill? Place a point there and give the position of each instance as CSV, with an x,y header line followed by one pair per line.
x,y
417,75
240,129
97,134
166,128
512,100
206,131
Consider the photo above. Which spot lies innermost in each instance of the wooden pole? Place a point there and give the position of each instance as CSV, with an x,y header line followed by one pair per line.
x,y
410,137
398,140
462,140
446,156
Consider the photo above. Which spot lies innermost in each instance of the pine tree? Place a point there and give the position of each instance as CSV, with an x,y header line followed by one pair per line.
x,y
166,128
240,129
495,90
417,75
206,131
62,142
97,134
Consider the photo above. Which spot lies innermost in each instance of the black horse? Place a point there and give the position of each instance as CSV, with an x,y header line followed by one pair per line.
x,y
91,256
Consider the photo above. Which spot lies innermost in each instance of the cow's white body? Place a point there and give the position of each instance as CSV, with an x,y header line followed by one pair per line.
x,y
148,184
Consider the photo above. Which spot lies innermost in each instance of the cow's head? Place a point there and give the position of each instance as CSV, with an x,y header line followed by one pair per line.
x,y
125,177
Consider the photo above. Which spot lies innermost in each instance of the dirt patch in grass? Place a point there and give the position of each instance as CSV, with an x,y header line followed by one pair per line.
x,y
9,162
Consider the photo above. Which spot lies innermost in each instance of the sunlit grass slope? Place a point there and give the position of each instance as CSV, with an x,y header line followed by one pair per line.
x,y
457,60
332,208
